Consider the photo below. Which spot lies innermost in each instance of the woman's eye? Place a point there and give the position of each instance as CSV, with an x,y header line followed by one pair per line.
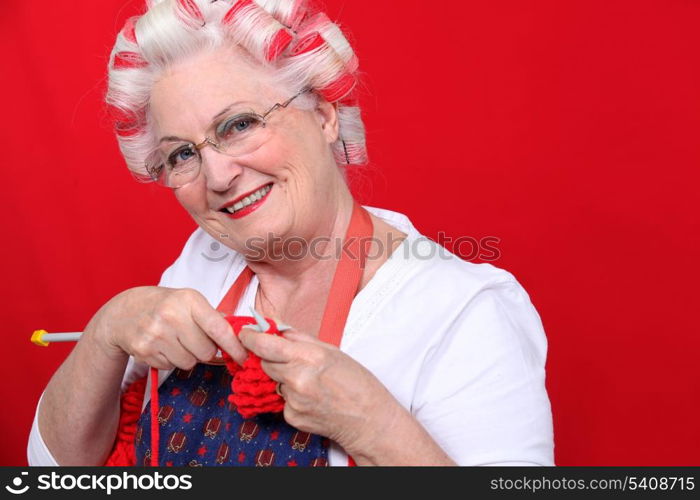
x,y
237,125
181,157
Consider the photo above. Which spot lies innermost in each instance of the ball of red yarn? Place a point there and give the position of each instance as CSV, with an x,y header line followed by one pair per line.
x,y
253,390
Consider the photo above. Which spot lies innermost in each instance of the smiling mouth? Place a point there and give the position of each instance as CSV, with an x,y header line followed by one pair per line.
x,y
251,199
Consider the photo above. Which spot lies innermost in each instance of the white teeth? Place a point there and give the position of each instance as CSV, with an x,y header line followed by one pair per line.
x,y
260,193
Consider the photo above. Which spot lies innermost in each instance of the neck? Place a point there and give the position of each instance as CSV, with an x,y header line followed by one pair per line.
x,y
314,255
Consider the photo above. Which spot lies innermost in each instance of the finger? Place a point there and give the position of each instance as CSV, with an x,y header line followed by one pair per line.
x,y
217,328
297,336
278,372
197,343
159,361
268,347
176,354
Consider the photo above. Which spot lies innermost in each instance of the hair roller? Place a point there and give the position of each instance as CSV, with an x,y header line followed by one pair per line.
x,y
129,30
338,88
333,36
128,60
350,148
308,43
188,12
235,10
126,123
322,50
350,100
126,129
291,13
266,38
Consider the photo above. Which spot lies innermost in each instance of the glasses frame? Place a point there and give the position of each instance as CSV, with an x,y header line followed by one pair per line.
x,y
154,173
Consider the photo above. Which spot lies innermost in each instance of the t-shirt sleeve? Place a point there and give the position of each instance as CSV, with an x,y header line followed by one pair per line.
x,y
481,392
38,454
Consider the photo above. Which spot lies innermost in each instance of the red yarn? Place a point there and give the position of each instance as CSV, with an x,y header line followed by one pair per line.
x,y
123,452
253,390
155,425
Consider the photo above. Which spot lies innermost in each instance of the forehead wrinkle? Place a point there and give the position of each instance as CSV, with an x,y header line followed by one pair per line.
x,y
219,115
195,74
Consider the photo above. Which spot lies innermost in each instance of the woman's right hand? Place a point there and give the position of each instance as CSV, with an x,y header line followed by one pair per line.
x,y
164,327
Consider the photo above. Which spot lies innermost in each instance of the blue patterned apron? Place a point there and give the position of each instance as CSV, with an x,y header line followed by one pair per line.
x,y
199,427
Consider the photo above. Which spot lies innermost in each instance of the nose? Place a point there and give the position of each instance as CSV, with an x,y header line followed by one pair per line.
x,y
220,170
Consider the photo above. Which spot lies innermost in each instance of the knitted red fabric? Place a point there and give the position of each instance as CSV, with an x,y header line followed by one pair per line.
x,y
253,391
123,453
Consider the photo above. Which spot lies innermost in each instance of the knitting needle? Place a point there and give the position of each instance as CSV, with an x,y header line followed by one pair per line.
x,y
43,338
263,325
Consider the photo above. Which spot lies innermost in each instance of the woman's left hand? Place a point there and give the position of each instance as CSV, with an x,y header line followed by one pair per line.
x,y
326,391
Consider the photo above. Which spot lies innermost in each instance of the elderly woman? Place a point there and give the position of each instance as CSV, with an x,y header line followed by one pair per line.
x,y
398,353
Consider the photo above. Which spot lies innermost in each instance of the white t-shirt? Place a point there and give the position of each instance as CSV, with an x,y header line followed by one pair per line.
x,y
458,344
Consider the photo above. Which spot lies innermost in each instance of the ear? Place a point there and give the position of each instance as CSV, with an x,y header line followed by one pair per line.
x,y
327,115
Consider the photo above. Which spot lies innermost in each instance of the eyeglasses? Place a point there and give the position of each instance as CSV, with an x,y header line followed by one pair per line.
x,y
174,164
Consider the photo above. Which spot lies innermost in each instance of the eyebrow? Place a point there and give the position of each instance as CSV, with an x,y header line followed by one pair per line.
x,y
174,138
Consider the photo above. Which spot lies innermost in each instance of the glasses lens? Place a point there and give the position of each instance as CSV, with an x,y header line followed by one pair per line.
x,y
174,164
241,134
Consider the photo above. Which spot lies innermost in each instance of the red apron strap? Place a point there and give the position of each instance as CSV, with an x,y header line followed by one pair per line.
x,y
230,301
347,277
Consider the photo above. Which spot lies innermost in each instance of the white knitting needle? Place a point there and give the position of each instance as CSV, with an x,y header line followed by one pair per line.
x,y
43,338
263,325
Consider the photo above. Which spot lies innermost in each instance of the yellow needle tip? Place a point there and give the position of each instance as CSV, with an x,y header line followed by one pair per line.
x,y
37,338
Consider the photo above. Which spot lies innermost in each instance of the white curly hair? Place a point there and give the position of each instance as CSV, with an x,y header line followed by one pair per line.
x,y
302,46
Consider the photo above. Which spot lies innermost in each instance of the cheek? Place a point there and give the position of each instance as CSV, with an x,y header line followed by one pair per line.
x,y
302,156
192,198
281,159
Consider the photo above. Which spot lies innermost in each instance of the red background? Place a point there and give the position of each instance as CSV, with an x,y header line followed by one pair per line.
x,y
569,130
